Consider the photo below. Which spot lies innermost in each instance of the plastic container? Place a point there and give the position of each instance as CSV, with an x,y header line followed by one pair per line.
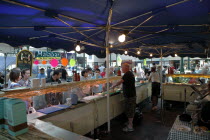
x,y
119,72
78,77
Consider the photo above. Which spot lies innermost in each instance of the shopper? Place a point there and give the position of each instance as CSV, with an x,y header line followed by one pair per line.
x,y
155,79
97,88
103,73
97,74
15,76
64,73
164,74
25,81
49,70
90,72
129,91
41,74
1,78
55,77
101,68
85,75
86,88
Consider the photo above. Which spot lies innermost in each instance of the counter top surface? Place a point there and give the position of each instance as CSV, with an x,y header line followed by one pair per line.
x,y
181,84
55,131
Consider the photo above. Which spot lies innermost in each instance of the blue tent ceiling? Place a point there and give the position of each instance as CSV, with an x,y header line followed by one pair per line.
x,y
180,26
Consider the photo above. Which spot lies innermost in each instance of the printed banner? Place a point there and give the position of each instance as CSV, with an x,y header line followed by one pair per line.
x,y
40,55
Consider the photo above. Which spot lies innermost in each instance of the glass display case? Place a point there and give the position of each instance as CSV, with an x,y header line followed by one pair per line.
x,y
180,87
56,94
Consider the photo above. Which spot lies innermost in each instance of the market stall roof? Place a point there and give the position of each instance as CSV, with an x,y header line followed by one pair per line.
x,y
177,26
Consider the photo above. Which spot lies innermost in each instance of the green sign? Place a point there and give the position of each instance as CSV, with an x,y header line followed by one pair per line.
x,y
47,55
145,62
119,60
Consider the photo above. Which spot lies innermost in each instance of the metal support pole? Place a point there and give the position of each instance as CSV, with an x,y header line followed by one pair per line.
x,y
188,63
108,26
110,60
84,60
5,67
107,81
76,60
116,60
161,85
182,65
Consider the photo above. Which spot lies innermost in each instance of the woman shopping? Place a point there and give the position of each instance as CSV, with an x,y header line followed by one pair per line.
x,y
155,79
15,76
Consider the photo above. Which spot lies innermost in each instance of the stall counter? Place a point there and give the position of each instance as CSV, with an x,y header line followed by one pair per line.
x,y
175,91
85,117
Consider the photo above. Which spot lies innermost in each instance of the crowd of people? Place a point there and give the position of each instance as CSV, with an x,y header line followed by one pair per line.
x,y
18,78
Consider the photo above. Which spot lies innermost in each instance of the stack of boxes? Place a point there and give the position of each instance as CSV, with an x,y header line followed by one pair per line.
x,y
13,116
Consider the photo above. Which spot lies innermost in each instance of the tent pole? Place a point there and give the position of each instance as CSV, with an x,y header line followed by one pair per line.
x,y
107,81
108,26
5,67
161,84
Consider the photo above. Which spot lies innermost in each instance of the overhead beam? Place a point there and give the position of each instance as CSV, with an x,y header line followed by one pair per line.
x,y
73,39
141,24
29,27
150,12
78,31
93,34
62,33
136,40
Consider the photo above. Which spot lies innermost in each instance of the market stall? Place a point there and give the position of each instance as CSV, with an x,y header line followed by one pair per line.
x,y
175,91
92,108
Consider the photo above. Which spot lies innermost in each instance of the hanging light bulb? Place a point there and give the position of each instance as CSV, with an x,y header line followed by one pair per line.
x,y
78,48
175,55
126,52
111,46
121,38
138,52
150,55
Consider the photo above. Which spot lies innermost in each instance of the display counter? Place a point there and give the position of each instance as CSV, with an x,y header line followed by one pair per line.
x,y
84,117
176,91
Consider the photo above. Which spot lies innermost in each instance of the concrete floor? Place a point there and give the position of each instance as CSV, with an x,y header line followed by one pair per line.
x,y
150,127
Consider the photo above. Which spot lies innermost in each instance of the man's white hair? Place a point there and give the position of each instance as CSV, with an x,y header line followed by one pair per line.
x,y
126,65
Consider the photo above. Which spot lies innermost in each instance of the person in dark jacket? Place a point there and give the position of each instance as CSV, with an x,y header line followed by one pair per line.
x,y
129,91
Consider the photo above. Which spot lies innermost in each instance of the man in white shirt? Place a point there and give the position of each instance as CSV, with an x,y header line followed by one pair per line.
x,y
101,68
155,79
